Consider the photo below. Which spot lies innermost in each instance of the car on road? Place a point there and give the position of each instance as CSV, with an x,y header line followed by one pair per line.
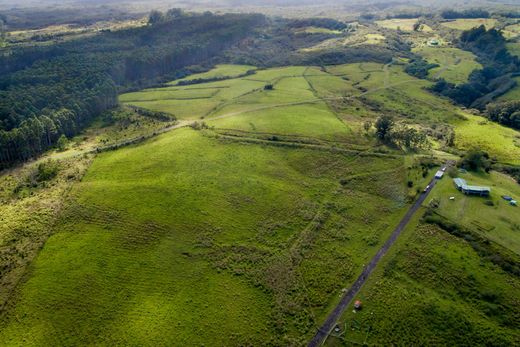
x,y
426,189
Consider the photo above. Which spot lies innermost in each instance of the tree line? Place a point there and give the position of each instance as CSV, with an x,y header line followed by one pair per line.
x,y
47,92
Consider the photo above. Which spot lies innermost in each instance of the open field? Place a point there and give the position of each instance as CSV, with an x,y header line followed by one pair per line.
x,y
511,31
317,30
247,231
468,23
219,71
514,48
513,94
499,221
398,24
428,289
455,65
497,140
133,251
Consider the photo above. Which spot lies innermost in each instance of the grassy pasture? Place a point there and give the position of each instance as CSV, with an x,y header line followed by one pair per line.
x,y
499,222
405,24
511,31
428,289
497,140
455,65
317,30
469,23
513,94
514,48
189,239
219,71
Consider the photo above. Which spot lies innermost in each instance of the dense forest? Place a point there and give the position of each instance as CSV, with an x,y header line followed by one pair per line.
x,y
46,92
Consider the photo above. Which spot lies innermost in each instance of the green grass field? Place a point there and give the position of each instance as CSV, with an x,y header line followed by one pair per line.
x,y
398,24
511,31
499,222
431,287
179,241
455,65
514,48
497,140
513,94
317,30
246,232
469,23
219,71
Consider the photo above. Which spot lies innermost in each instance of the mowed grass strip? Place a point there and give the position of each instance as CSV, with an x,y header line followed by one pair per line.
x,y
187,239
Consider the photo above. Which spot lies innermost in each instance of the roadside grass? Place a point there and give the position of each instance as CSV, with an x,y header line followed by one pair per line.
x,y
429,288
469,23
499,221
455,65
513,94
499,141
219,71
405,24
188,239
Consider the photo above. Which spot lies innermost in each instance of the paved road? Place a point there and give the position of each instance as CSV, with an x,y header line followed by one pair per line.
x,y
335,315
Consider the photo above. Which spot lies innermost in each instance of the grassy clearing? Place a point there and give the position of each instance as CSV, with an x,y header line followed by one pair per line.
x,y
513,94
511,31
498,221
497,140
218,72
398,24
514,48
191,102
29,207
374,39
455,65
317,30
427,290
193,240
469,23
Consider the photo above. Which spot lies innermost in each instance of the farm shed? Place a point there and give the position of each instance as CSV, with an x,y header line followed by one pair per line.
x,y
462,185
476,190
459,183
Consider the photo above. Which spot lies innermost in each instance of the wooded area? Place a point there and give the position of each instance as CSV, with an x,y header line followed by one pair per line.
x,y
49,91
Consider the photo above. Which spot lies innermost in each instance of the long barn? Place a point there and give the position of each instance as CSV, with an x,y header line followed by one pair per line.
x,y
463,186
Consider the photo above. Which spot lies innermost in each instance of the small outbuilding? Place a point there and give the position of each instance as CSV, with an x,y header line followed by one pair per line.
x,y
513,202
358,305
439,174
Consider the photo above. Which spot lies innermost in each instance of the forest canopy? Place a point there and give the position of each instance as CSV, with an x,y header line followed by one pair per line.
x,y
49,91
